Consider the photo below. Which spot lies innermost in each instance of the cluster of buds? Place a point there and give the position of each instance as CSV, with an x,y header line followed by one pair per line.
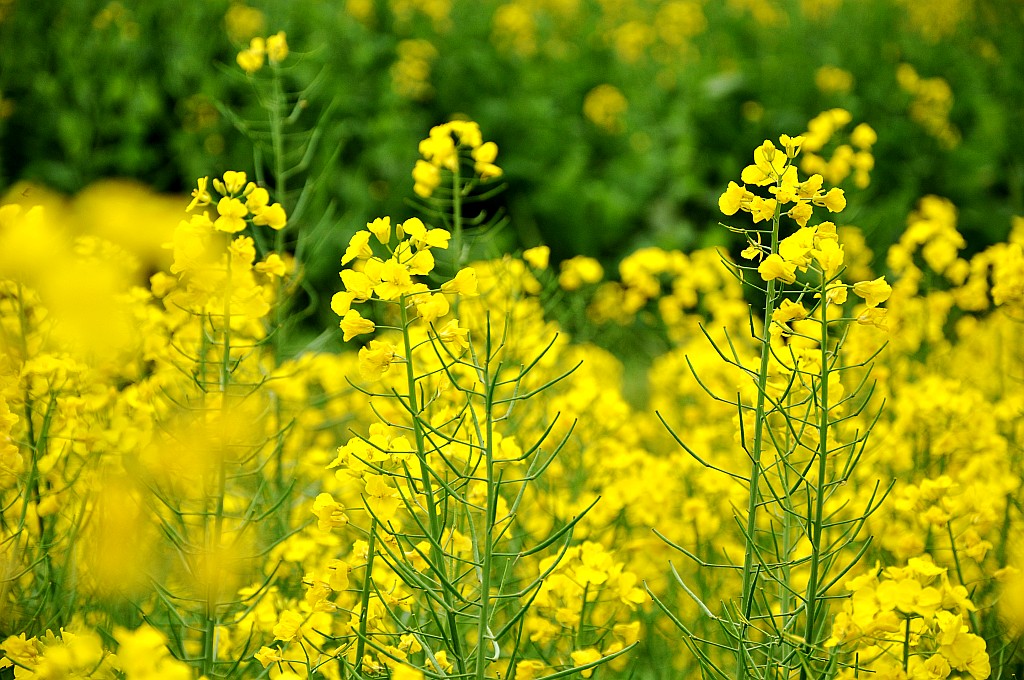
x,y
441,150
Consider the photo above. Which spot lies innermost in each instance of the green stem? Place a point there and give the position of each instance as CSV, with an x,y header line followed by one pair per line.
x,y
754,498
975,623
214,537
817,514
435,523
371,549
457,219
488,530
281,194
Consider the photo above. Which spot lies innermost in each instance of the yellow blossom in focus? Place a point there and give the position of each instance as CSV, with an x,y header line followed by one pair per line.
x,y
874,292
232,215
380,228
464,283
272,216
200,195
774,267
353,324
358,247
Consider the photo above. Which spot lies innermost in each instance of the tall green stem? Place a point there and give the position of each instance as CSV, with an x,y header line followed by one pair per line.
x,y
457,219
214,537
371,550
281,191
488,528
816,520
754,498
435,523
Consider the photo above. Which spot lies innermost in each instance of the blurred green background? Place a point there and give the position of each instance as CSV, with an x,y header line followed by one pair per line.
x,y
619,122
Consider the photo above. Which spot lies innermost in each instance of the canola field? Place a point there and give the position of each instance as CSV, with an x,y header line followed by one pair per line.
x,y
520,339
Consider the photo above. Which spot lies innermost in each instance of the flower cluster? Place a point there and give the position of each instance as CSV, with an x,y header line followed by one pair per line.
x,y
442,150
814,247
910,622
392,280
846,158
241,203
932,101
273,49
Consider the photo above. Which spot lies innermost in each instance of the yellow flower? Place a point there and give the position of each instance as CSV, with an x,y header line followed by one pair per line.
x,y
341,302
358,247
289,626
452,334
762,209
232,215
404,672
537,257
421,237
796,248
863,136
873,317
834,200
431,307
464,283
829,256
484,155
605,106
584,657
734,198
273,266
256,199
768,165
381,228
277,48
530,669
789,311
382,498
268,655
394,278
774,267
329,513
273,216
251,59
338,575
426,177
579,270
200,195
801,213
375,359
354,324
791,144
357,284
874,292
234,182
